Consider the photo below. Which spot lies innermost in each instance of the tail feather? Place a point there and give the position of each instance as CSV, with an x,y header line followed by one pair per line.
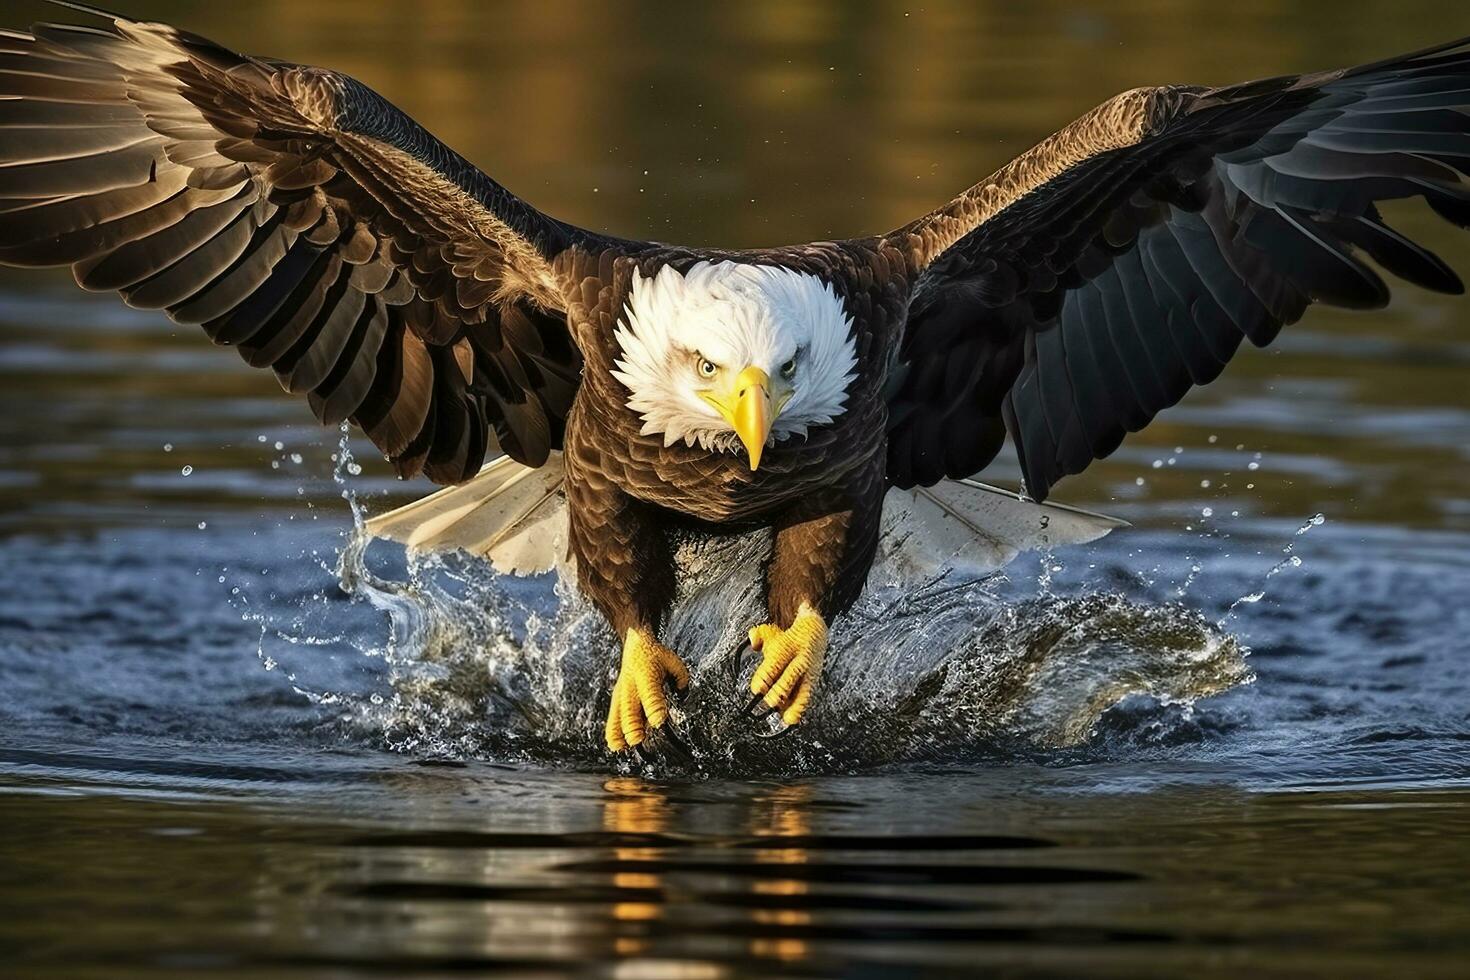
x,y
976,527
512,515
516,517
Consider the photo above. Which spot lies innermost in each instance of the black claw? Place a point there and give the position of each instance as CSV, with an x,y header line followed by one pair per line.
x,y
671,743
776,733
643,756
736,664
758,711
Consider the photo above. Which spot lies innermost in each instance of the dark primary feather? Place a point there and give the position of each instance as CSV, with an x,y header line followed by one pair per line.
x,y
1089,284
297,216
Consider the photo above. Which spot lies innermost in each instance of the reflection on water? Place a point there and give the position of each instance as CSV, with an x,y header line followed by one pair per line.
x,y
214,760
474,870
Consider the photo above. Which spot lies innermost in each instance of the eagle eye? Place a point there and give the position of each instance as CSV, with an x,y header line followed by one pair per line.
x,y
706,368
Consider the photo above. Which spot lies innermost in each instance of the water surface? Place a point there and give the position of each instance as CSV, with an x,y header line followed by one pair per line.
x,y
1234,737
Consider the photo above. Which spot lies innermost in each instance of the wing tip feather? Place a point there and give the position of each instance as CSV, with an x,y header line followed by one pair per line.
x,y
91,11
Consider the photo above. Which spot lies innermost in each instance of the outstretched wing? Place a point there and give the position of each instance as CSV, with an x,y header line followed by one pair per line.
x,y
1089,284
296,215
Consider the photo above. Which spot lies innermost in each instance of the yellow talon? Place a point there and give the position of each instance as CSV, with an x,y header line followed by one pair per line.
x,y
791,660
638,701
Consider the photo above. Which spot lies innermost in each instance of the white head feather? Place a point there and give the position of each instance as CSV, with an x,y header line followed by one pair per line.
x,y
735,316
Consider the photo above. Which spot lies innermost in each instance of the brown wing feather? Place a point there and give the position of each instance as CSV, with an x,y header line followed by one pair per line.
x,y
1089,284
1122,121
296,215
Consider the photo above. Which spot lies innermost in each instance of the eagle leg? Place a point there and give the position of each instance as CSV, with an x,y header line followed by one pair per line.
x,y
639,703
791,660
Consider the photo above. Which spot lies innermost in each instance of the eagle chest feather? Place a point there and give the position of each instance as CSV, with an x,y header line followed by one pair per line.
x,y
609,440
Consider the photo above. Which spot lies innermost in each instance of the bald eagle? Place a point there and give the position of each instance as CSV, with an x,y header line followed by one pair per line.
x,y
1062,302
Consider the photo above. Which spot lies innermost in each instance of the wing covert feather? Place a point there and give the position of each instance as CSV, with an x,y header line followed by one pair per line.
x,y
298,216
1093,281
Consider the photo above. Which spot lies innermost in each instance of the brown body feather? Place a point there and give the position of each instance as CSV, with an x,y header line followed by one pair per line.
x,y
822,494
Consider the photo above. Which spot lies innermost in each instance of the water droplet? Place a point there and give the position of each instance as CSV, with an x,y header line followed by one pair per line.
x,y
1207,512
1204,484
1214,439
260,438
1252,465
296,458
355,469
1138,481
203,525
279,445
1158,464
187,470
168,447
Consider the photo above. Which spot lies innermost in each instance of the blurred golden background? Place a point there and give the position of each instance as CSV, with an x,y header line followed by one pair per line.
x,y
767,122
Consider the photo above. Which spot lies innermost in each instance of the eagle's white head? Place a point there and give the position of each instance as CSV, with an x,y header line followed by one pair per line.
x,y
729,354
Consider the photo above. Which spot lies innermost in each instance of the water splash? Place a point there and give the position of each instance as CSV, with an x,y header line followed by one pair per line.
x,y
479,665
1288,560
466,663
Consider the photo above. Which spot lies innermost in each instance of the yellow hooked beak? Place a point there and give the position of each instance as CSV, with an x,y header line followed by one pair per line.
x,y
749,410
